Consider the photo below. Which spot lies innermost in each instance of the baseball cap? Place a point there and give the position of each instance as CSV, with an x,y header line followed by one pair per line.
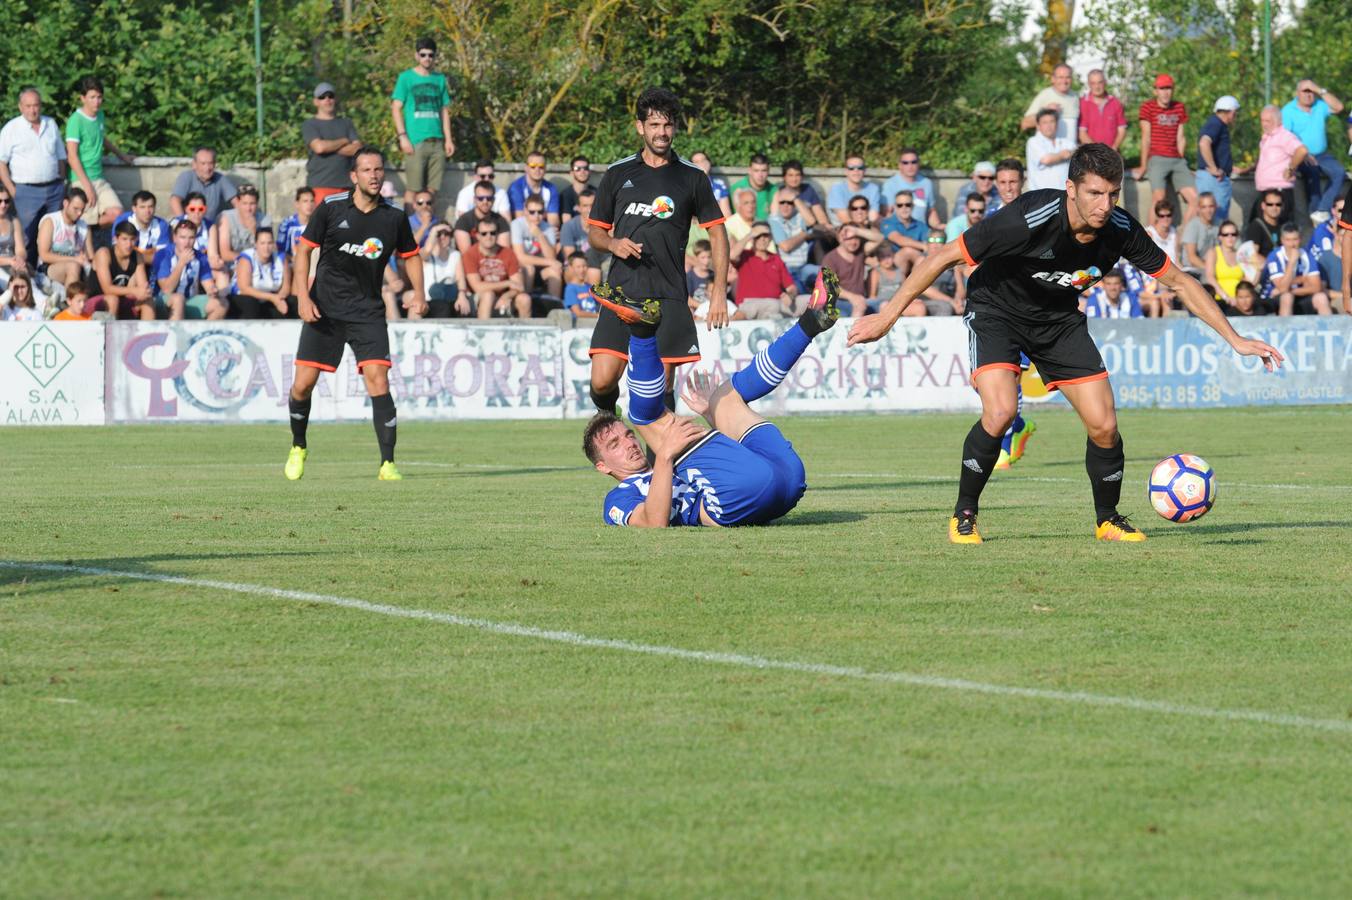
x,y
985,167
1163,80
324,88
1226,104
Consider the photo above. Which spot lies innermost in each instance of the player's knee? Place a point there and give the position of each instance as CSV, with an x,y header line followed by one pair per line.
x,y
1103,429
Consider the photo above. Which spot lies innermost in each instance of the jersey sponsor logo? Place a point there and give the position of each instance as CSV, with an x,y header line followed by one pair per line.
x,y
1080,279
371,248
617,515
661,208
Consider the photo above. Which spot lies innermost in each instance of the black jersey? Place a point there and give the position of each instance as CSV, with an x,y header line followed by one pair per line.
x,y
1029,263
1345,221
354,248
653,207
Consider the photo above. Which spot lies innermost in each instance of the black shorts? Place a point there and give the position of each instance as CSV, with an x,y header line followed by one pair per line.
x,y
677,339
321,343
1059,345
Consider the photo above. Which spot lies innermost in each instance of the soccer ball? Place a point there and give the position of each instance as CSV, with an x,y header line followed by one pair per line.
x,y
1182,487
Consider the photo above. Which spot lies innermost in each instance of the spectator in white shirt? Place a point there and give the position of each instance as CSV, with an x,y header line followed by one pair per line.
x,y
1048,155
1163,232
33,163
464,201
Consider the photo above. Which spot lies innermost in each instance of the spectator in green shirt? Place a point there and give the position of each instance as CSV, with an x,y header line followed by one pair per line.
x,y
85,143
421,106
758,179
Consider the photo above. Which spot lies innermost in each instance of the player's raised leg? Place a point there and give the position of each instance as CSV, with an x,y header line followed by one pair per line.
x,y
997,386
1104,458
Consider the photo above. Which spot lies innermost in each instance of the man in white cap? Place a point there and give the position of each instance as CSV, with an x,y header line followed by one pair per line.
x,y
1215,164
331,140
983,183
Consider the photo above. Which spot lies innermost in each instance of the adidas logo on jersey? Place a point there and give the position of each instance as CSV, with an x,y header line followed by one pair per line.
x,y
370,248
661,208
1047,254
343,224
974,466
627,184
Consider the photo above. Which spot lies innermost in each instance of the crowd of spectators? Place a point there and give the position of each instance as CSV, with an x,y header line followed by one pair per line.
x,y
68,246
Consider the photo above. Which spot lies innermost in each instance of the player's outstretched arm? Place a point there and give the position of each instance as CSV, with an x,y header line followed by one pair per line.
x,y
868,329
667,441
1203,306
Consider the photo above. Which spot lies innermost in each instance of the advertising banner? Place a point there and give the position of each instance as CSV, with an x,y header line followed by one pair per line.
x,y
51,373
242,372
920,365
1172,363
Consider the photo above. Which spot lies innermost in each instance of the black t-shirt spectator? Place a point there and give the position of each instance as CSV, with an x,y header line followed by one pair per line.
x,y
1264,235
469,222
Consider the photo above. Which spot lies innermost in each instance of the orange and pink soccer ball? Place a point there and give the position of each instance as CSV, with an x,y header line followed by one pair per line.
x,y
1182,487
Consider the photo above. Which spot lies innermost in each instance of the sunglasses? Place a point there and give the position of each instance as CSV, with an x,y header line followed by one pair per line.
x,y
976,210
581,168
483,198
856,168
535,165
200,209
934,240
493,233
535,212
1229,234
1167,214
1276,205
854,208
327,96
422,202
911,162
4,200
786,203
905,206
428,54
984,177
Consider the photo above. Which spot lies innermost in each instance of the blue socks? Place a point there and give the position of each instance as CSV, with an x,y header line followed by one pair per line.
x,y
771,365
1007,442
647,381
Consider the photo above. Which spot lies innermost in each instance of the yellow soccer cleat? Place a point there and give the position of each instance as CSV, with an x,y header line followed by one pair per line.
x,y
1004,460
1118,529
1019,442
962,528
295,463
388,472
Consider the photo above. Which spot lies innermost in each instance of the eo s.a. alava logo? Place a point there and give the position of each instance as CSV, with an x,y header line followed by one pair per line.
x,y
370,248
661,208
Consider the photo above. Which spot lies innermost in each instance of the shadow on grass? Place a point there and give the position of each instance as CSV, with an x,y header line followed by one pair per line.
x,y
864,484
49,580
820,517
1245,527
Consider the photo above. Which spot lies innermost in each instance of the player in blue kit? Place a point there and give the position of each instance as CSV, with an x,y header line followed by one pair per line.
x,y
743,472
1033,259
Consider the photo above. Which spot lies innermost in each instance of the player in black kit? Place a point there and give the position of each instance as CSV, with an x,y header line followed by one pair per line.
x,y
642,217
355,233
1035,257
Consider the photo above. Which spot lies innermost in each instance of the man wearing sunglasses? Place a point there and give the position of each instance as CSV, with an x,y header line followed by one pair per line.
x,y
464,201
331,140
533,182
466,227
579,178
1033,260
908,178
982,183
842,193
421,106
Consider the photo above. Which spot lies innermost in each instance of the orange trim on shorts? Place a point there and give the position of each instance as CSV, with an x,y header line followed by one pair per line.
x,y
712,223
599,224
1162,270
677,360
1010,366
1054,385
315,365
607,352
374,362
962,245
307,242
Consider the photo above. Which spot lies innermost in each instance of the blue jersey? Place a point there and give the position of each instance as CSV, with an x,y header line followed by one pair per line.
x,y
580,295
520,189
288,233
631,493
1324,240
203,232
1276,268
195,273
155,235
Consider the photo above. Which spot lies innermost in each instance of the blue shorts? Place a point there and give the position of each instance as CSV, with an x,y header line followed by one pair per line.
x,y
747,482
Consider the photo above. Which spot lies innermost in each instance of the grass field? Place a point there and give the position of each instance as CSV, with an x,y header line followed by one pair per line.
x,y
1192,737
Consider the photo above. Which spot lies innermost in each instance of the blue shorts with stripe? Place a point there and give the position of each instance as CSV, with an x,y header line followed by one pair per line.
x,y
746,482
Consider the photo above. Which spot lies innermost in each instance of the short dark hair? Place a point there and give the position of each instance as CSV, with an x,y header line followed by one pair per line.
x,y
906,151
425,43
481,163
578,159
75,193
125,227
658,100
1114,273
974,196
576,254
1273,192
535,198
1246,286
1009,164
303,190
1163,206
247,190
1095,159
194,195
264,229
792,165
87,84
486,185
1048,111
367,150
598,423
1290,228
183,223
759,159
587,191
142,196
702,246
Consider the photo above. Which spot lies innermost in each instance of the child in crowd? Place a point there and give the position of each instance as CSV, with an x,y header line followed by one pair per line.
x,y
697,279
884,276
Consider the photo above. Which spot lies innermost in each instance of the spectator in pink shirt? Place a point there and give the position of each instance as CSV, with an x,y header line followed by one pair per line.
x,y
1280,154
1102,118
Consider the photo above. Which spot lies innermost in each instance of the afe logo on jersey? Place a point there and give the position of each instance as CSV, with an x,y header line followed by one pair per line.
x,y
661,208
370,248
1080,280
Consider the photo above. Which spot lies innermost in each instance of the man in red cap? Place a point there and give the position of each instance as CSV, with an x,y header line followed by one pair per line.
x,y
1162,143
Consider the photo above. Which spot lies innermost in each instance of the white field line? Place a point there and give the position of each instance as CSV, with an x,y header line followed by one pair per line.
x,y
571,638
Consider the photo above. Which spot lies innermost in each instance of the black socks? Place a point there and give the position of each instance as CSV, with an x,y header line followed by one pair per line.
x,y
606,401
1105,467
979,453
383,416
300,420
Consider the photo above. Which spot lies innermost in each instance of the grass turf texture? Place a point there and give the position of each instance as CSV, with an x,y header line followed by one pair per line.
x,y
230,745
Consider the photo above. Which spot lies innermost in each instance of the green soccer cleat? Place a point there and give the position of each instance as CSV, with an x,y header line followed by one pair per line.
x,y
388,472
1018,444
630,311
295,463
